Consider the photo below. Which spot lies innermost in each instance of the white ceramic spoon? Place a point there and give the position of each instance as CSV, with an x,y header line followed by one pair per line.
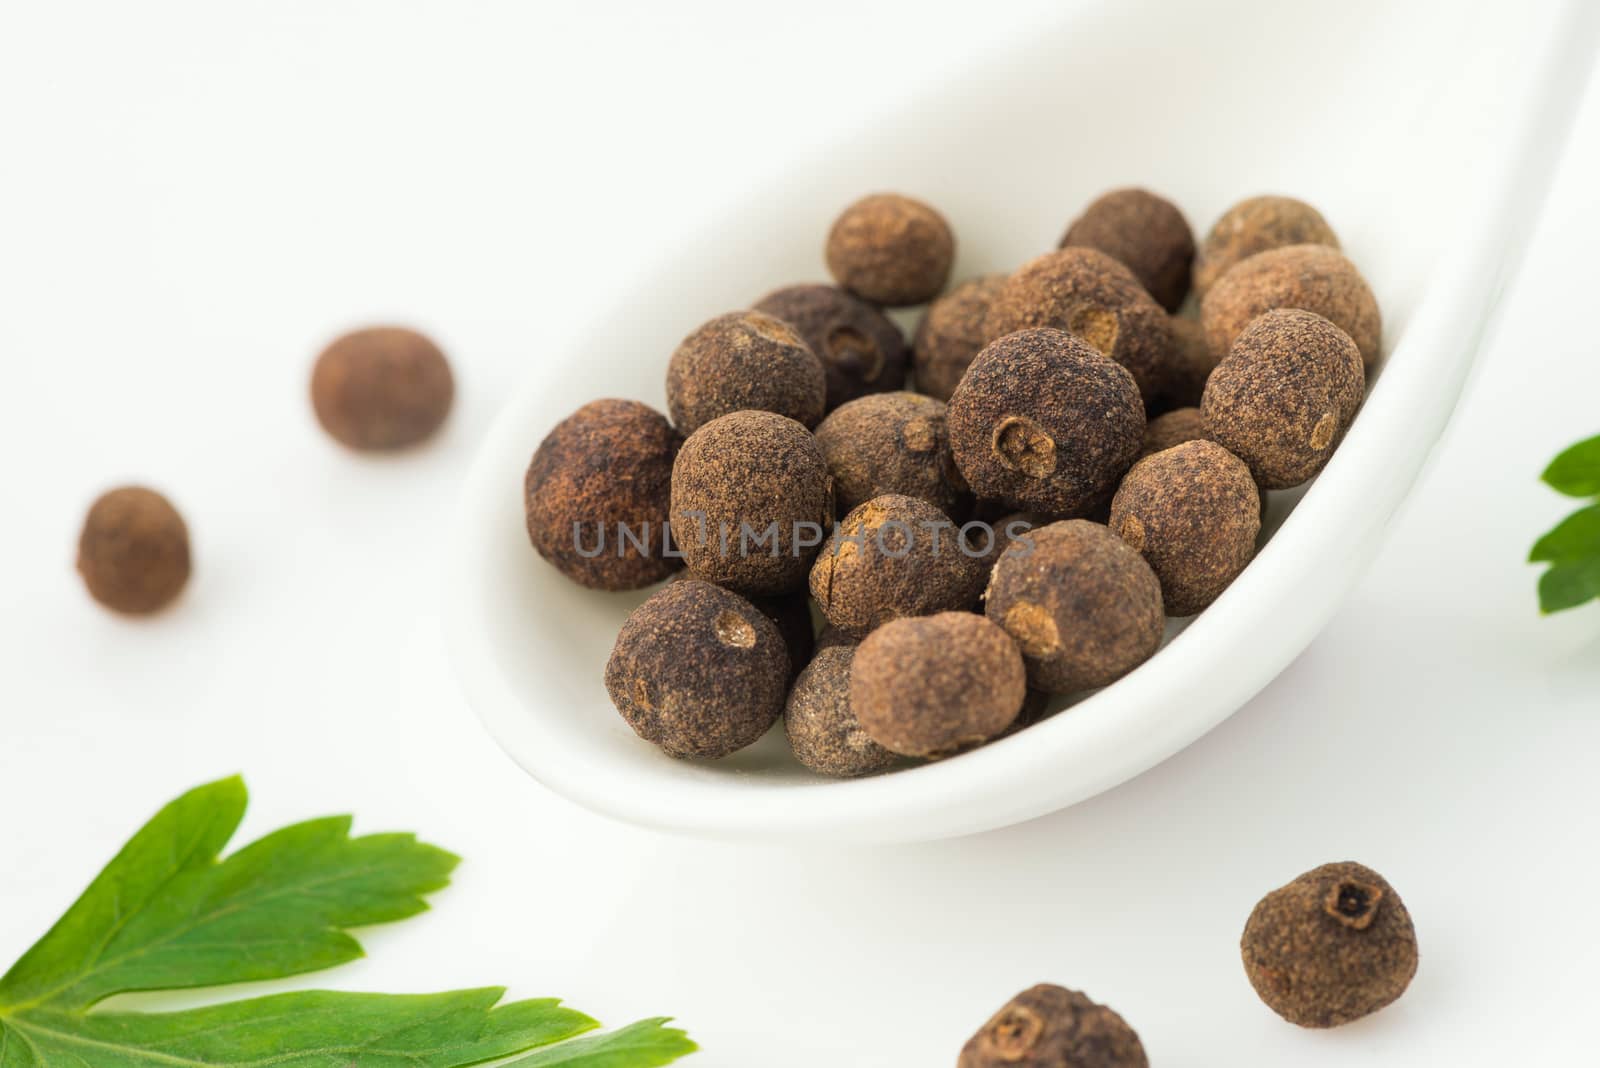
x,y
1424,130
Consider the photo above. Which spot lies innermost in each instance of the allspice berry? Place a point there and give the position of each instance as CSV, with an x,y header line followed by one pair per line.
x,y
1144,232
1051,1027
698,671
931,686
597,493
1258,224
1193,512
1172,428
133,552
891,249
861,350
1284,397
1084,607
951,334
1192,364
1044,423
751,502
382,388
891,443
741,361
1313,278
791,614
892,557
1087,293
1332,946
823,732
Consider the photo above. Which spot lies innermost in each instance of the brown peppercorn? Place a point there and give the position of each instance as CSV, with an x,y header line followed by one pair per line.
x,y
1257,225
1145,233
1087,293
891,443
1194,512
1313,278
1173,428
1192,364
698,671
597,492
133,552
823,732
1332,946
951,334
744,361
1051,1027
1045,423
891,249
931,686
381,388
861,350
751,502
1084,608
1285,396
891,557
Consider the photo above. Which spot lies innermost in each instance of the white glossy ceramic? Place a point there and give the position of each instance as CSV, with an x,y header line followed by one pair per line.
x,y
1424,130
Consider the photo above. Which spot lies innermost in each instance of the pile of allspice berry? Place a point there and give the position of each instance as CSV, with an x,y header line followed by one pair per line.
x,y
1087,451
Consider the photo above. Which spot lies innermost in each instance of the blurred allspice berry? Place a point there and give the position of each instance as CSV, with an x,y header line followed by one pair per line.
x,y
1144,232
133,553
382,388
891,249
1050,1026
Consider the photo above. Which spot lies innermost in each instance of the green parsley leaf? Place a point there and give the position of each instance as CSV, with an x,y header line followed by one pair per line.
x,y
1569,585
169,913
1574,539
1576,472
1572,548
645,1044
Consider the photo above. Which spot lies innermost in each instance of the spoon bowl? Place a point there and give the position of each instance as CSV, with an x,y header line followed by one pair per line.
x,y
1425,132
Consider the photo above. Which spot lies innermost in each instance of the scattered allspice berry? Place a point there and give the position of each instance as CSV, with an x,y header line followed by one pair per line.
x,y
1332,946
1313,278
891,443
951,334
861,350
931,686
1049,1026
1285,395
597,493
892,557
1144,232
1172,428
1193,511
133,552
698,671
744,361
1257,224
891,249
1087,293
823,732
1084,608
751,502
1043,422
382,388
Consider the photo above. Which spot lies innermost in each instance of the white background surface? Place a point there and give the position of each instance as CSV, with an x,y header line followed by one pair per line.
x,y
194,197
